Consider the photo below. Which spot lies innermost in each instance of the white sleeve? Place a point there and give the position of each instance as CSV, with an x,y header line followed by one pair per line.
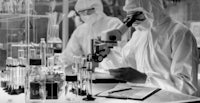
x,y
185,62
73,48
114,23
113,60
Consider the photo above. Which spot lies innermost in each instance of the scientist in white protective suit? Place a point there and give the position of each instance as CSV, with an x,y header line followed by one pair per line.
x,y
162,53
95,22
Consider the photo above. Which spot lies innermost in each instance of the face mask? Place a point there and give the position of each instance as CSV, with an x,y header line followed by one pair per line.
x,y
90,18
144,25
85,18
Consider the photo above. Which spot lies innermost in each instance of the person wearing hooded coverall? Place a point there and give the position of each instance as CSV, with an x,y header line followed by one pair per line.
x,y
162,52
95,23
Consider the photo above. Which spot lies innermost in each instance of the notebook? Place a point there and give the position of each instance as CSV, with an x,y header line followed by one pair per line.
x,y
125,91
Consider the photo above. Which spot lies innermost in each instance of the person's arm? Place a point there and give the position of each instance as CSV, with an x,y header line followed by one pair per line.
x,y
114,58
73,48
128,74
116,24
184,62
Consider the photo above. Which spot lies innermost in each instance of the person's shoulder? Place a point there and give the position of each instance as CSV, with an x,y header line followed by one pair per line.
x,y
82,26
177,24
179,29
80,30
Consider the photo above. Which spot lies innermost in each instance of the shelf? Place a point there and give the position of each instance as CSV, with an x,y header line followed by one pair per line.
x,y
48,3
31,15
23,45
1,46
6,16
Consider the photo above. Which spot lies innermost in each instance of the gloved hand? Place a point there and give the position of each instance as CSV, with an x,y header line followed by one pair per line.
x,y
128,74
116,34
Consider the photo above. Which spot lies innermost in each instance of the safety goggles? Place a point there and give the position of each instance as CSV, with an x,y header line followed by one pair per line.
x,y
138,15
86,12
131,13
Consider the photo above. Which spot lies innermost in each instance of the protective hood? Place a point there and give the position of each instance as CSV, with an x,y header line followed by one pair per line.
x,y
88,4
153,9
166,52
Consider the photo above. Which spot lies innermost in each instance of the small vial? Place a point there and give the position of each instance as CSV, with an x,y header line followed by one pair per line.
x,y
32,53
43,51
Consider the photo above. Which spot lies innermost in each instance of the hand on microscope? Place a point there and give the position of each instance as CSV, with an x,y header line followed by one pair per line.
x,y
133,18
110,38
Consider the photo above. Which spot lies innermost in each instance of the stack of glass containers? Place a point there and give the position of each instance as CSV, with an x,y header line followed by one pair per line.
x,y
35,82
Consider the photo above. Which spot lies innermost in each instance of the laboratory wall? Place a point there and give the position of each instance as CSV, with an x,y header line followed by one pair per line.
x,y
194,10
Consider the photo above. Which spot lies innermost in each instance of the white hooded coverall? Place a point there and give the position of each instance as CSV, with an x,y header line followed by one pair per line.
x,y
79,43
163,49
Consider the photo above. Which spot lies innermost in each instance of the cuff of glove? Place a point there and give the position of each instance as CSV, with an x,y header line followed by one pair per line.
x,y
143,78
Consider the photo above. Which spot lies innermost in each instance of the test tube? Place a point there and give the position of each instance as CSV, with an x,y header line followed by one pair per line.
x,y
89,83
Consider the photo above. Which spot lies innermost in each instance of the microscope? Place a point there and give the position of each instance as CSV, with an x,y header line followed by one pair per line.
x,y
101,47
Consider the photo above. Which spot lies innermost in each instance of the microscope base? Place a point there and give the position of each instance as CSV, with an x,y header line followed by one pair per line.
x,y
89,98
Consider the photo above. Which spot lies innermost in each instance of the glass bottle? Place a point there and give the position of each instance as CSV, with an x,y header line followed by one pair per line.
x,y
43,51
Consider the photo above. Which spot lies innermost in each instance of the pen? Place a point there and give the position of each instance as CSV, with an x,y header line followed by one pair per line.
x,y
119,90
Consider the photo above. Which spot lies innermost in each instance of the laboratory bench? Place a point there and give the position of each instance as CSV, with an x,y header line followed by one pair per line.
x,y
103,85
159,97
